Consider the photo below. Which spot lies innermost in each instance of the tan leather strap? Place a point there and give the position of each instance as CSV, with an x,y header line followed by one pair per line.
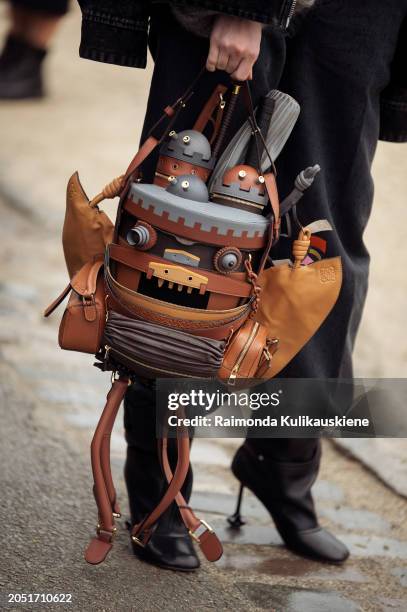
x,y
154,138
104,491
144,151
142,532
207,539
206,115
83,282
271,186
140,260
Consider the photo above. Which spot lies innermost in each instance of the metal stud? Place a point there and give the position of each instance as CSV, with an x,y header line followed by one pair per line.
x,y
242,174
185,185
187,139
261,179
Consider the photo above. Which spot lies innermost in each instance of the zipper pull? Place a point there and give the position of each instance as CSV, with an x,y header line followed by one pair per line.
x,y
233,375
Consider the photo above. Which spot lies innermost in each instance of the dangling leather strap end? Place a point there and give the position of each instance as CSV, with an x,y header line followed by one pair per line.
x,y
98,548
208,541
50,309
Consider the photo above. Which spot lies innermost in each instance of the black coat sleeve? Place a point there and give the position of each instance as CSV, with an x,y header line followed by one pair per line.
x,y
116,31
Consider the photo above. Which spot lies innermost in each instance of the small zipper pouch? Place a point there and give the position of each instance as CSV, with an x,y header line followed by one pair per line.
x,y
248,354
153,350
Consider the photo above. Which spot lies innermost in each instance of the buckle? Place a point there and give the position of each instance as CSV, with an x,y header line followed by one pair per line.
x,y
88,300
137,541
195,536
100,531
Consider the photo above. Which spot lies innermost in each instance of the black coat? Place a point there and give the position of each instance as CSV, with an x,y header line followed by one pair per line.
x,y
116,31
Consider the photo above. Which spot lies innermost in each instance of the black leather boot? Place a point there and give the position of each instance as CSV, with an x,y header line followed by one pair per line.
x,y
170,546
284,487
21,70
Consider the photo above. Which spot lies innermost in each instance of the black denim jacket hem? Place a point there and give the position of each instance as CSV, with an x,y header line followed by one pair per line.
x,y
116,32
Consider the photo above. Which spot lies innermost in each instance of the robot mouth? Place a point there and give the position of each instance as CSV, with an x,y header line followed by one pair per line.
x,y
177,276
173,292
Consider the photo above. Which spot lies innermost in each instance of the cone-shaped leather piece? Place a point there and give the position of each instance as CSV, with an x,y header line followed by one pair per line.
x,y
295,302
86,230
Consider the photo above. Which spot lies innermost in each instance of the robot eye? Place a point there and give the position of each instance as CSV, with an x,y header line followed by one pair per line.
x,y
227,260
142,236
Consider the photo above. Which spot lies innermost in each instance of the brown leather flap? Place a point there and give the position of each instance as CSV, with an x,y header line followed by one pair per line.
x,y
84,281
210,545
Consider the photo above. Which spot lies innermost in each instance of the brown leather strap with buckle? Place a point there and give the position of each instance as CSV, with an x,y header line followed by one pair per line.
x,y
104,491
142,532
207,539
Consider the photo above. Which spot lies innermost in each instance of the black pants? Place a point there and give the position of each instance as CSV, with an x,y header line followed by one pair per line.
x,y
336,65
51,7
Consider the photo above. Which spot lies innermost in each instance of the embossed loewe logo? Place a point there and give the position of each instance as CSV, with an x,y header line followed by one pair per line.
x,y
327,275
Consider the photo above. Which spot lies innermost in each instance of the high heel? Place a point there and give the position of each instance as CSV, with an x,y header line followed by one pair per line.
x,y
235,520
284,488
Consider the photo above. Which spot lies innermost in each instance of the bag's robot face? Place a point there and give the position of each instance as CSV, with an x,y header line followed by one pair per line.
x,y
192,249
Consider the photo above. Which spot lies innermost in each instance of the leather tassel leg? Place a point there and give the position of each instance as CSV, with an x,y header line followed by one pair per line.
x,y
170,545
103,489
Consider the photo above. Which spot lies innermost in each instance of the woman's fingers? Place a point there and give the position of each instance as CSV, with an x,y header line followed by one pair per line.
x,y
234,46
244,71
233,63
212,55
223,59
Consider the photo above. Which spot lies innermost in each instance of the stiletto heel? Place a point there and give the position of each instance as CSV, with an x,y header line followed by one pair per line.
x,y
284,488
235,520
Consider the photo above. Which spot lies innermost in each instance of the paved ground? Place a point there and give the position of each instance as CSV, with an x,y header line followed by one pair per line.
x,y
50,400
